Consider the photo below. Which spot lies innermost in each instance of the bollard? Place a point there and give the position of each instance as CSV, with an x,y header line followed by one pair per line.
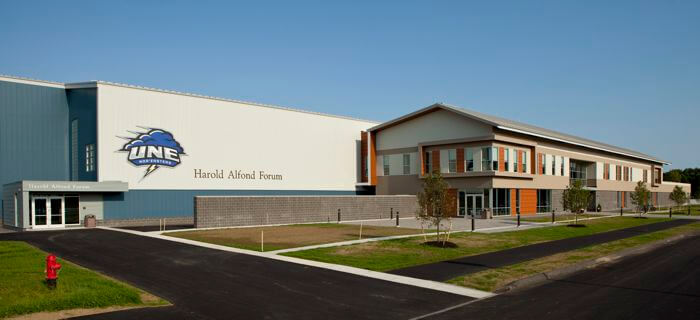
x,y
391,214
472,221
552,216
670,212
620,211
518,217
397,218
338,215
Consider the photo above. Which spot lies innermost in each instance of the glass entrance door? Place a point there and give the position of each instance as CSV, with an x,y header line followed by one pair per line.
x,y
48,212
469,204
475,204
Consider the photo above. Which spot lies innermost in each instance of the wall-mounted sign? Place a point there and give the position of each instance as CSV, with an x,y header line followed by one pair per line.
x,y
153,149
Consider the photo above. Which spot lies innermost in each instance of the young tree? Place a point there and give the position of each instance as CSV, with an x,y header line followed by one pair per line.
x,y
640,196
575,198
678,196
434,202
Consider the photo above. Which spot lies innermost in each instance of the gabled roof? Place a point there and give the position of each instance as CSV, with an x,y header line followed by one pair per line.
x,y
519,127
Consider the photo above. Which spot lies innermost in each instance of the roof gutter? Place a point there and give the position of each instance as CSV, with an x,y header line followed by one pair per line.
x,y
580,144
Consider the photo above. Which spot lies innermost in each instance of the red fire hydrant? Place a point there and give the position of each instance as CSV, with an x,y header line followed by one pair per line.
x,y
52,268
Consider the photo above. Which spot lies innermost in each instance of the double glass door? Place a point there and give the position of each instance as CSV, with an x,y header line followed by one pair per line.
x,y
48,212
470,204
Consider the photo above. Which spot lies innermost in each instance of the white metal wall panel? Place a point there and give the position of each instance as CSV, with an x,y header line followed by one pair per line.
x,y
309,151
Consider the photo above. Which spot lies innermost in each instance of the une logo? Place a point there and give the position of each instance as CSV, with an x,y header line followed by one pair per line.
x,y
154,148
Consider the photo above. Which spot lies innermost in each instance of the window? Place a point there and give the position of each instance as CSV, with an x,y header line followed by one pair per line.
x,y
657,175
627,173
544,201
90,157
543,165
561,166
501,202
494,159
577,171
428,163
470,160
385,162
606,172
554,165
618,173
452,160
406,163
645,175
506,159
515,161
485,159
74,149
525,161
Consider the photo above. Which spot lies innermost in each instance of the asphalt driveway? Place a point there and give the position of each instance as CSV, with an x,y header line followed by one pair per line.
x,y
205,283
660,284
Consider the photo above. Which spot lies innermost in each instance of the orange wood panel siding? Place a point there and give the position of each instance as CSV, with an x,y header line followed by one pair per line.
x,y
452,200
528,201
460,160
520,167
513,204
436,161
623,196
539,163
532,161
501,159
373,159
363,156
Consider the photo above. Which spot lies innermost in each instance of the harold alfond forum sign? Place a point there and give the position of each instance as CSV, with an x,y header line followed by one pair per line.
x,y
157,147
166,141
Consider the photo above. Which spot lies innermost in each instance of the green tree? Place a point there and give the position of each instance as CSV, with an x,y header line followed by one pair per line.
x,y
678,196
575,198
673,176
640,196
434,202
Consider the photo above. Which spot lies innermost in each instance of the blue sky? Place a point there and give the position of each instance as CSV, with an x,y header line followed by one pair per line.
x,y
622,72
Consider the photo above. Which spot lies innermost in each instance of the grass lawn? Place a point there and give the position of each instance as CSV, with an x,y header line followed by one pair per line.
x,y
694,210
493,279
22,287
291,236
558,217
400,253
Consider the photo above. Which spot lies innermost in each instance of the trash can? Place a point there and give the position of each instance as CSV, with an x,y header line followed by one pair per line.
x,y
90,221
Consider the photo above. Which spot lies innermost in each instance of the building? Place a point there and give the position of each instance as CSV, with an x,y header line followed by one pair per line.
x,y
503,165
130,154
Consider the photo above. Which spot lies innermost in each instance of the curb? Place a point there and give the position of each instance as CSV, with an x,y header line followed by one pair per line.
x,y
558,274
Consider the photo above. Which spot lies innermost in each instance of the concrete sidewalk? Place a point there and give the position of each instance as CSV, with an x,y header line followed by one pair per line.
x,y
446,270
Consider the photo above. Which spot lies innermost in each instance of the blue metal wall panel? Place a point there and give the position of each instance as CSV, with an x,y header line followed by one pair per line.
x,y
171,203
83,107
33,133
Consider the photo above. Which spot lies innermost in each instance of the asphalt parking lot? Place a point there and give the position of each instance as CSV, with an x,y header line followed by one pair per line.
x,y
205,283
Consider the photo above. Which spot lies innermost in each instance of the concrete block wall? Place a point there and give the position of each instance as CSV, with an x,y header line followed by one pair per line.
x,y
229,211
169,221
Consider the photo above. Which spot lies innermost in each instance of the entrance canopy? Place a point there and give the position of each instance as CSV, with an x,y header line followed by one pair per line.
x,y
51,204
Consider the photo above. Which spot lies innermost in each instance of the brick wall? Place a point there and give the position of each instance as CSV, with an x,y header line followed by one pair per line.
x,y
228,211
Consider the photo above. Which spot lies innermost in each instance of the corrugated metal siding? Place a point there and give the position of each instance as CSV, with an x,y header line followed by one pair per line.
x,y
171,203
83,106
33,133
